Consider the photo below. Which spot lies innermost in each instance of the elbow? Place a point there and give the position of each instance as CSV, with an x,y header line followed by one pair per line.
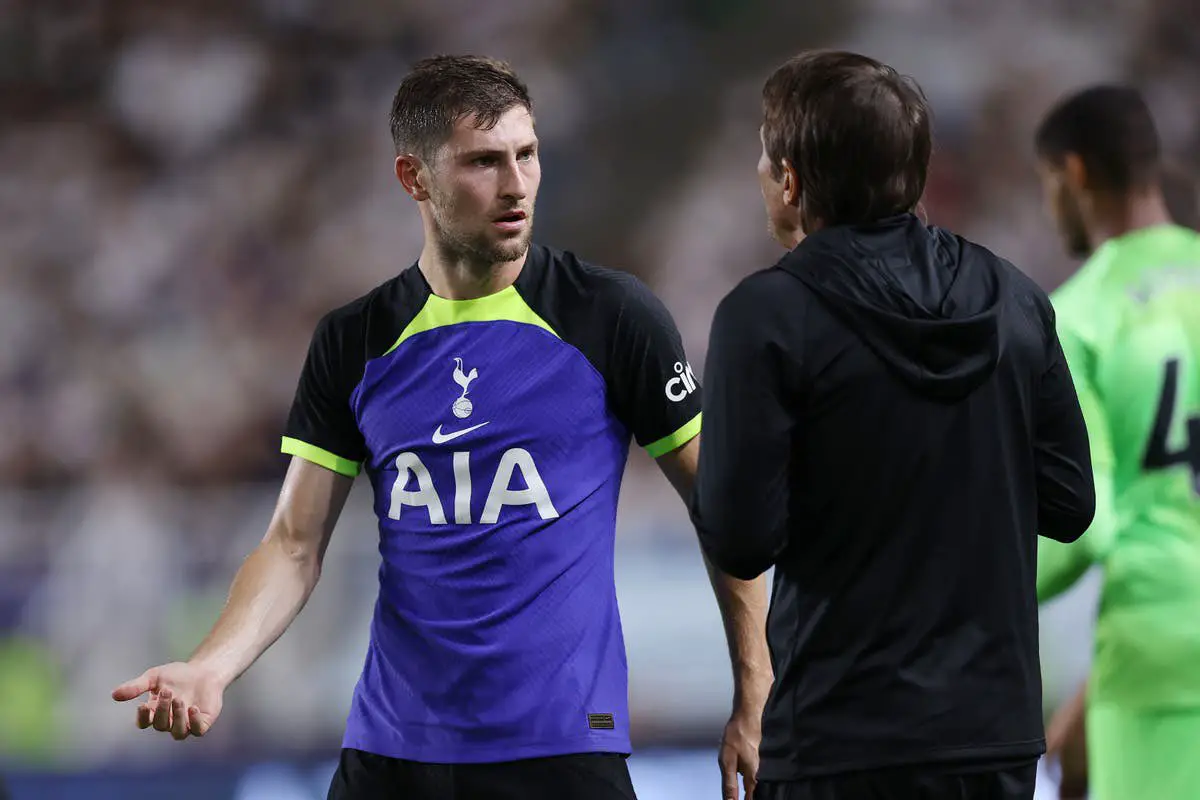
x,y
738,556
301,553
1066,507
1066,529
746,570
732,541
1069,523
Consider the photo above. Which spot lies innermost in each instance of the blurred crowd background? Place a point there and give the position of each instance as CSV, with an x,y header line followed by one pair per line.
x,y
186,186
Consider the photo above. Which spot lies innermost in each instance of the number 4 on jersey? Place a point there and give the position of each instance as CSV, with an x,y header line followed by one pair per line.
x,y
1159,454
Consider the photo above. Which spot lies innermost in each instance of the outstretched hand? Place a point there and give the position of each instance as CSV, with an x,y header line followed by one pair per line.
x,y
185,699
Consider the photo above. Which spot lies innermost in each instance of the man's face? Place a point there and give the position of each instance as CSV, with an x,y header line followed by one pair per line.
x,y
783,218
1062,203
482,186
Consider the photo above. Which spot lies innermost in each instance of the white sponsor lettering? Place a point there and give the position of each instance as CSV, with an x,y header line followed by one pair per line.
x,y
502,493
681,386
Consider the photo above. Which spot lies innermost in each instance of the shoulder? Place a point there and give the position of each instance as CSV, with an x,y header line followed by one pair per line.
x,y
368,324
763,298
1019,288
571,286
771,286
1084,305
585,277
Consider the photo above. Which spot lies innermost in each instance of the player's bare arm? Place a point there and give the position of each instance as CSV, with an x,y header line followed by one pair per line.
x,y
743,606
273,584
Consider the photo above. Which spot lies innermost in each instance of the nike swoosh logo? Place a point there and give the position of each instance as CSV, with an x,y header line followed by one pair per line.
x,y
442,438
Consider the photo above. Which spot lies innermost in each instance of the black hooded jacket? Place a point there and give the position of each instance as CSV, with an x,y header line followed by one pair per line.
x,y
890,422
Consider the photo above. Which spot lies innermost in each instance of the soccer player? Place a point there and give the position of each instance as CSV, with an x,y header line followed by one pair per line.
x,y
1129,322
889,421
489,392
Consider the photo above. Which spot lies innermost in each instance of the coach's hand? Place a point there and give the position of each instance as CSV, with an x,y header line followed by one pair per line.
x,y
185,699
1066,743
739,749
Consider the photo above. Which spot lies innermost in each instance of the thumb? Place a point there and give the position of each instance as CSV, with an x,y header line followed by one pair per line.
x,y
134,688
198,721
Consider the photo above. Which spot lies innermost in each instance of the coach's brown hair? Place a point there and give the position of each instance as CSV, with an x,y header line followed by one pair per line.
x,y
856,131
442,90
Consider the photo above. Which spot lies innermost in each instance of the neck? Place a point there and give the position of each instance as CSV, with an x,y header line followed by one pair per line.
x,y
454,276
1117,216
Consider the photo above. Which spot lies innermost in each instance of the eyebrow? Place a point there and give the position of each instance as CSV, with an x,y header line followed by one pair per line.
x,y
495,151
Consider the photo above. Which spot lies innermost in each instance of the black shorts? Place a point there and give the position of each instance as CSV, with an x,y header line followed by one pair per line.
x,y
925,782
586,776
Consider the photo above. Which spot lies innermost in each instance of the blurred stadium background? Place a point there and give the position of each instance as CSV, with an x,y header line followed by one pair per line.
x,y
186,186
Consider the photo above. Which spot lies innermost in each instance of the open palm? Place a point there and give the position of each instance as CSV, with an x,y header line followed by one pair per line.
x,y
185,699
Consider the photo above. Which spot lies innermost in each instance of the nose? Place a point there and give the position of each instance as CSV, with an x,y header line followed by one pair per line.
x,y
514,185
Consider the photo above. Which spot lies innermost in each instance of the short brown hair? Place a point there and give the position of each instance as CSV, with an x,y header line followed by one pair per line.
x,y
855,130
442,90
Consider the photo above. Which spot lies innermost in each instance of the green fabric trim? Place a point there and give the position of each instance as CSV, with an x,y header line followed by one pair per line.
x,y
505,305
675,440
322,458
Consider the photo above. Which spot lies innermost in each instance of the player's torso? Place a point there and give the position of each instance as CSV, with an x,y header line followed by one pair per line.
x,y
1145,366
496,463
1133,316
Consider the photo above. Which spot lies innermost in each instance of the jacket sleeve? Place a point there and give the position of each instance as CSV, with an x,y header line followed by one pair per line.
x,y
740,504
1076,499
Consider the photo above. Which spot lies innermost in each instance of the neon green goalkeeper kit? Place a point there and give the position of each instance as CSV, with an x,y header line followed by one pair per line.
x,y
1129,322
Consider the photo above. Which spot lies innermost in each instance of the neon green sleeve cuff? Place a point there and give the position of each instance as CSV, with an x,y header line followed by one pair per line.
x,y
322,458
675,440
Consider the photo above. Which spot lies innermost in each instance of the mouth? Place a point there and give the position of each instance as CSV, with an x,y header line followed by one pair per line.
x,y
511,221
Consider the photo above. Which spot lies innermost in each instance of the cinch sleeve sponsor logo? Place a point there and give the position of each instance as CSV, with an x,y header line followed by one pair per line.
x,y
683,384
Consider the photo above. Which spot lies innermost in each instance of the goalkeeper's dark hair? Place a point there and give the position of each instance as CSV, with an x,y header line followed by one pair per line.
x,y
1110,128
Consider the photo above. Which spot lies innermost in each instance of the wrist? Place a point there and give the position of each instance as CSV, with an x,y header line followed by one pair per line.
x,y
214,669
752,685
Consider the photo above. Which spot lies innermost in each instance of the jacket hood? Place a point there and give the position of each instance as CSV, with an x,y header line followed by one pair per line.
x,y
926,301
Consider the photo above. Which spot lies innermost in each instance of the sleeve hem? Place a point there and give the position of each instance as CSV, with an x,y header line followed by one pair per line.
x,y
320,457
675,440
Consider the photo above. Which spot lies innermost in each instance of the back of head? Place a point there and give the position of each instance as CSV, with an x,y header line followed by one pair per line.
x,y
856,132
1111,130
442,90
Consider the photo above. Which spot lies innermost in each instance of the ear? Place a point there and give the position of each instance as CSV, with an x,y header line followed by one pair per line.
x,y
791,184
1075,172
412,176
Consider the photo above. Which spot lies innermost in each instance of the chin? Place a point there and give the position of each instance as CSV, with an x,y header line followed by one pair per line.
x,y
510,250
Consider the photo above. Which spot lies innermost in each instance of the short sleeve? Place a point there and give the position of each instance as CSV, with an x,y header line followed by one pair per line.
x,y
321,426
655,392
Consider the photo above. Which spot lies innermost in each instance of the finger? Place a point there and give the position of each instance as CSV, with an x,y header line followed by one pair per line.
x,y
729,784
162,714
134,688
199,722
179,720
145,715
749,784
